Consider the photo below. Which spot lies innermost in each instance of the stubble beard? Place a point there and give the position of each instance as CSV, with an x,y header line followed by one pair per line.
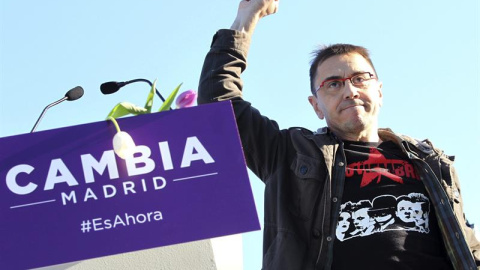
x,y
354,127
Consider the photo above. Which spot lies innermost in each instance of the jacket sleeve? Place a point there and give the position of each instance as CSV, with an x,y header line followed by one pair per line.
x,y
451,185
445,171
220,80
470,236
474,245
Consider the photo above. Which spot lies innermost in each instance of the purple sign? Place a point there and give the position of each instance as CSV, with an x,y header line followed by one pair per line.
x,y
66,196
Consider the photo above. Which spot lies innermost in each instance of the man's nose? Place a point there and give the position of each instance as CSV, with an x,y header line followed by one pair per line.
x,y
350,91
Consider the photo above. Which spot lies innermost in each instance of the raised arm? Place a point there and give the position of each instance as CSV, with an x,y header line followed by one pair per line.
x,y
221,80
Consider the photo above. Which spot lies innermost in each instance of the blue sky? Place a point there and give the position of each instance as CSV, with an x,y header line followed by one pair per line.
x,y
427,54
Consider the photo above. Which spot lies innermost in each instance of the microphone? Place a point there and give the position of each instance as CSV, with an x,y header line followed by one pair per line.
x,y
112,87
72,94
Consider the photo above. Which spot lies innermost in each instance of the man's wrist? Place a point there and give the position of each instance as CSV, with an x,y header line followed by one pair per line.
x,y
247,26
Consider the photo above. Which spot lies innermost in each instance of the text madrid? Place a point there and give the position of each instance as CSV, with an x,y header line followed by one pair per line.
x,y
138,164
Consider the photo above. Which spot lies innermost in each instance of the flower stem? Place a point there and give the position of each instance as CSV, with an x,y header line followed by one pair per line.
x,y
114,122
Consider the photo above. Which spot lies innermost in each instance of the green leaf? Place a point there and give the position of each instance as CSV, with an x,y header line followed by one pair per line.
x,y
149,103
168,102
125,108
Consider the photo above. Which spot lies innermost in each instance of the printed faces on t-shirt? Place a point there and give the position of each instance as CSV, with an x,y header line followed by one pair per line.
x,y
382,193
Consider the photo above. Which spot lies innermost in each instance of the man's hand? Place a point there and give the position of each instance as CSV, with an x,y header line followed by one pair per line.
x,y
251,11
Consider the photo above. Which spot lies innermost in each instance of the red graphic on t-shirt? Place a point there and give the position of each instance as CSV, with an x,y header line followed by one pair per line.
x,y
377,166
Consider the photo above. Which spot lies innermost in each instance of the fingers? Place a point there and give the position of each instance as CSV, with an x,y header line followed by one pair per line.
x,y
272,7
261,7
251,11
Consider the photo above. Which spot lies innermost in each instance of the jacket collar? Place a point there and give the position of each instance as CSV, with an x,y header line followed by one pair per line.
x,y
386,134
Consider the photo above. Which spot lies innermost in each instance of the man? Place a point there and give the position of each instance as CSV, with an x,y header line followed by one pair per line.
x,y
361,220
305,172
413,212
420,209
383,212
404,212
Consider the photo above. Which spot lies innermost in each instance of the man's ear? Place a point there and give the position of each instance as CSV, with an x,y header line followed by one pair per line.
x,y
380,93
313,101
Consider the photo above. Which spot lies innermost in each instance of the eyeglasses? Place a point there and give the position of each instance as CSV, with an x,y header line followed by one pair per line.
x,y
361,80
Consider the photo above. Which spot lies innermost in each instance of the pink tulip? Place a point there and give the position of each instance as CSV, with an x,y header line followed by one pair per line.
x,y
186,99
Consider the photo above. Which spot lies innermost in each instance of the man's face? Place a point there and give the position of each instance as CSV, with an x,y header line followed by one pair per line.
x,y
361,219
350,110
382,217
405,211
418,213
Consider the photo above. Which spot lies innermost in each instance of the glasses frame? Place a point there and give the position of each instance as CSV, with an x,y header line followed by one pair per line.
x,y
372,76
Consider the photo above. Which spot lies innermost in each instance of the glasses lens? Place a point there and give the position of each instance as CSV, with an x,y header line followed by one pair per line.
x,y
333,84
361,80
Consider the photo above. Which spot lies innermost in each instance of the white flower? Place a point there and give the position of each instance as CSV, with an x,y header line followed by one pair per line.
x,y
123,144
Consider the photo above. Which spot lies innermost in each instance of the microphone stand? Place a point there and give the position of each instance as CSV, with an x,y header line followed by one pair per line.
x,y
45,110
150,83
72,94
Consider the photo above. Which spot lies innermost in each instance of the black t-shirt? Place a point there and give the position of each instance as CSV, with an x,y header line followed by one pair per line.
x,y
386,220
